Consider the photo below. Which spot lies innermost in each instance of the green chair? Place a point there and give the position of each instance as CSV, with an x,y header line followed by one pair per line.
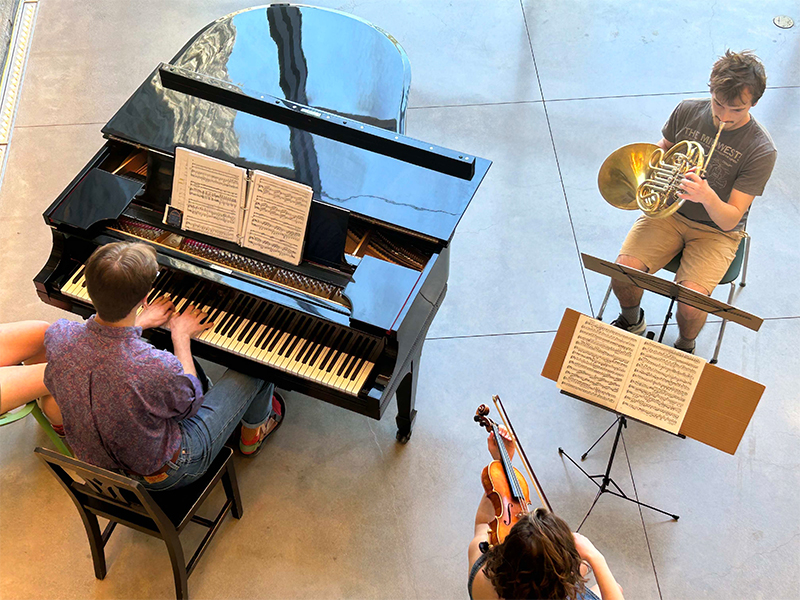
x,y
739,265
32,407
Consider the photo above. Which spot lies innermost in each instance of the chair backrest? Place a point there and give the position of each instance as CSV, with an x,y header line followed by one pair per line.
x,y
105,493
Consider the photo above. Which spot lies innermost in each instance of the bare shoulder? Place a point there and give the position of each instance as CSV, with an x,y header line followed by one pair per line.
x,y
482,588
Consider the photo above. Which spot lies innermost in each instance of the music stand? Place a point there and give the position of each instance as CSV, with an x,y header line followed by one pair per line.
x,y
621,422
718,413
673,291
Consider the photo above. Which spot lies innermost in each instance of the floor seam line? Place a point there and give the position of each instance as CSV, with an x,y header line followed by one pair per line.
x,y
555,155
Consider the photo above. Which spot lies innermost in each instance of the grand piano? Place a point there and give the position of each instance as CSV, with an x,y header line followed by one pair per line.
x,y
318,97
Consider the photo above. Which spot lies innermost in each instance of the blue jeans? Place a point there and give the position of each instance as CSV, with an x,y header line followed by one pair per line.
x,y
235,397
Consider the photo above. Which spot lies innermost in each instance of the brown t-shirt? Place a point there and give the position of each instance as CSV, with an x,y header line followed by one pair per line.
x,y
743,158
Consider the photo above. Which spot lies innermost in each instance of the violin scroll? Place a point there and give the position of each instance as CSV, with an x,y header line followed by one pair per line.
x,y
482,419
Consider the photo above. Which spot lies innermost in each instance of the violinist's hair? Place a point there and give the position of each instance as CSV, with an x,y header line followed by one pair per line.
x,y
538,559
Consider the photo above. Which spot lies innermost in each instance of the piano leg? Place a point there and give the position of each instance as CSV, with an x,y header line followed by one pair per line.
x,y
406,396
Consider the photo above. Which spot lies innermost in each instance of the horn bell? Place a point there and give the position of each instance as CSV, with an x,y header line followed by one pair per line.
x,y
623,172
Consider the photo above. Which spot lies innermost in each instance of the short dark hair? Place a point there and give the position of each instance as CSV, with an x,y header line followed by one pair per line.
x,y
537,559
736,72
118,276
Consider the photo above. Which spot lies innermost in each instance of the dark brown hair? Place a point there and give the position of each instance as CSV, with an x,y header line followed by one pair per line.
x,y
538,559
736,72
118,276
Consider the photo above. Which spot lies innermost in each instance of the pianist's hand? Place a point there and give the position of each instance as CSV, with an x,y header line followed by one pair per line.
x,y
189,323
155,314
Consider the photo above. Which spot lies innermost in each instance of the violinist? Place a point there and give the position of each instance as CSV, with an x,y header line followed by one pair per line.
x,y
539,558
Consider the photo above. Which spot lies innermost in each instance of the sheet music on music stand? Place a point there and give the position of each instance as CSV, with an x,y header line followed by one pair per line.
x,y
670,289
629,374
718,410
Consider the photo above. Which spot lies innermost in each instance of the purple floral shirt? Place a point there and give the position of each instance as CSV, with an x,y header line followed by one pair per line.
x,y
121,399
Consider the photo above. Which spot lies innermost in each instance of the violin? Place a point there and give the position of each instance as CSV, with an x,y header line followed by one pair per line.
x,y
504,485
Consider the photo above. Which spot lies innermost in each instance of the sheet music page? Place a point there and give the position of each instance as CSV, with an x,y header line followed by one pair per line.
x,y
598,361
210,193
277,214
661,386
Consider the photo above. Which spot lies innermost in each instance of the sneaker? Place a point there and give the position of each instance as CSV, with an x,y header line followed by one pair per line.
x,y
254,446
637,329
687,350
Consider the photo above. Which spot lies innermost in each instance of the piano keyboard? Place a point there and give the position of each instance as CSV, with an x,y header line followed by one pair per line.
x,y
273,335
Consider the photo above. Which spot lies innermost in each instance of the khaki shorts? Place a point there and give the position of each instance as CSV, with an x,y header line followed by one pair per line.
x,y
707,252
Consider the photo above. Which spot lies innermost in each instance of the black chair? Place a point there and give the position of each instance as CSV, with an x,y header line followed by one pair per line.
x,y
97,492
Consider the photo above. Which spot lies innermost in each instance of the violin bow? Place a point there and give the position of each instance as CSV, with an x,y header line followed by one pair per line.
x,y
507,423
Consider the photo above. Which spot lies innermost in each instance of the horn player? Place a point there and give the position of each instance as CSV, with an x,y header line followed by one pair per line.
x,y
709,225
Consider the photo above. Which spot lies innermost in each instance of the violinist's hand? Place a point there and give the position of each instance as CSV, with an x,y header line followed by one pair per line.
x,y
509,444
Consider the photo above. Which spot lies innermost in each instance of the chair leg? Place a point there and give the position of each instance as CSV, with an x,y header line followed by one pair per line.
x,y
95,542
743,282
605,301
713,360
178,564
231,486
48,429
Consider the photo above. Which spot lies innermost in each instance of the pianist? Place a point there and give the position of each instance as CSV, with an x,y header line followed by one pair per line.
x,y
129,407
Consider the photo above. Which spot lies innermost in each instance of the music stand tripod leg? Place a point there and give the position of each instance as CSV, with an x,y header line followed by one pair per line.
x,y
597,441
606,477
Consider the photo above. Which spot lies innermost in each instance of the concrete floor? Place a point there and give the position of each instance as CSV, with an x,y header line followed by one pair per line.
x,y
335,508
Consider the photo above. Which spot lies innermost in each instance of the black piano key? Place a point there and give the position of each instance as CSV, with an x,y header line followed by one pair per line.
x,y
295,349
162,284
178,291
232,314
365,355
157,285
291,341
205,296
276,316
287,326
191,297
344,370
260,320
258,309
247,320
309,340
326,336
331,349
217,304
276,328
83,268
223,312
233,326
342,347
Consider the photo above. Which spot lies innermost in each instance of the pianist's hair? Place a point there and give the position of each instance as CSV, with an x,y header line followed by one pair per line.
x,y
736,72
118,276
538,559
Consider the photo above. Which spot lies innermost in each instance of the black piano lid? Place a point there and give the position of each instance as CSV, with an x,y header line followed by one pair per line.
x,y
249,50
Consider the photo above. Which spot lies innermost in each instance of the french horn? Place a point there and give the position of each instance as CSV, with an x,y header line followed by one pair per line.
x,y
643,176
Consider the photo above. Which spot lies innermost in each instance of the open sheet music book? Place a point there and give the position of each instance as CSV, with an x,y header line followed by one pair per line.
x,y
630,374
251,208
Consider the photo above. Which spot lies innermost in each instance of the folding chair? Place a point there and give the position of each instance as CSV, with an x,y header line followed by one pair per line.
x,y
739,265
97,492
